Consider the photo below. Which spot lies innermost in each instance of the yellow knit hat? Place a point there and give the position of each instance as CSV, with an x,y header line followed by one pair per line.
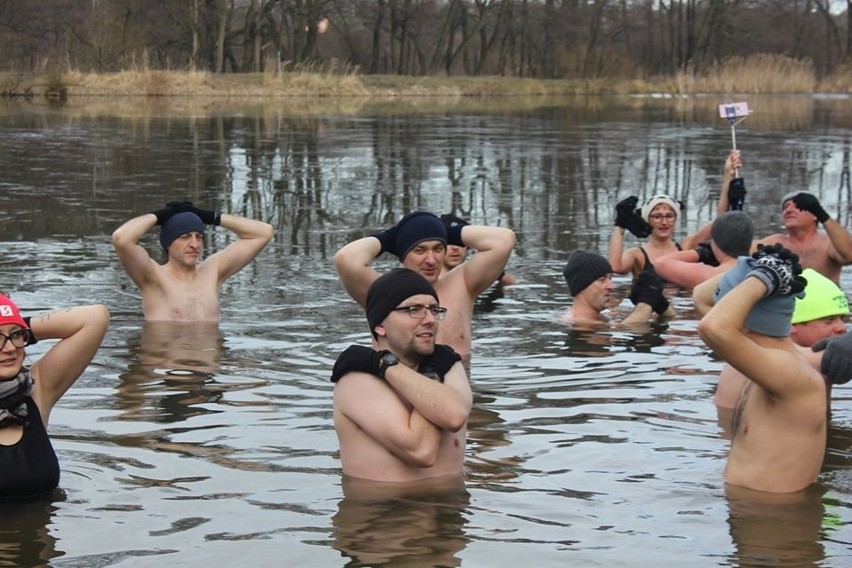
x,y
823,298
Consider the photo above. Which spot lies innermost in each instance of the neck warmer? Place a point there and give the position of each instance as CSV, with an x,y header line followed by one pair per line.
x,y
13,393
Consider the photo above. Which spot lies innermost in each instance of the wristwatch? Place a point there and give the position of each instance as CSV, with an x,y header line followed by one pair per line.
x,y
387,360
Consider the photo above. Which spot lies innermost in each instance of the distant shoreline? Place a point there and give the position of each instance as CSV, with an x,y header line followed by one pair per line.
x,y
759,74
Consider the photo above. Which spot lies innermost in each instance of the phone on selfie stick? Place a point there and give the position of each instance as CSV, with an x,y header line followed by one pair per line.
x,y
735,113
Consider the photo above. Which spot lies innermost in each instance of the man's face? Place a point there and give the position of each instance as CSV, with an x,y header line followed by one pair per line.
x,y
598,294
187,248
793,217
411,338
455,255
427,259
807,333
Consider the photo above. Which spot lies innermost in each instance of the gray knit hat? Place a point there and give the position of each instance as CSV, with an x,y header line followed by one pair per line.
x,y
733,232
583,268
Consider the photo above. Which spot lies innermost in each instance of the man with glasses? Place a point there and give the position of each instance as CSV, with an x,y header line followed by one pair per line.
x,y
420,241
401,409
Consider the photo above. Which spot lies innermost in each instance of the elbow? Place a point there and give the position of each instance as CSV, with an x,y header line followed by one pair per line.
x,y
424,457
456,418
98,316
266,232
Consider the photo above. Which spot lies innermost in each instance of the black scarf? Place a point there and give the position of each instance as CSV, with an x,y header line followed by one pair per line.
x,y
13,395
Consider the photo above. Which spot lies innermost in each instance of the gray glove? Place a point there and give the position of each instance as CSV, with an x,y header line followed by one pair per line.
x,y
836,365
779,269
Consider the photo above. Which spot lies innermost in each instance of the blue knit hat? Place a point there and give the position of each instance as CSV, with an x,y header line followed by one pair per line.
x,y
417,227
177,225
771,315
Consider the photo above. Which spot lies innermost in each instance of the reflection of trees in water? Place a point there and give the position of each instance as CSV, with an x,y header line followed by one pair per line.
x,y
25,537
391,526
773,529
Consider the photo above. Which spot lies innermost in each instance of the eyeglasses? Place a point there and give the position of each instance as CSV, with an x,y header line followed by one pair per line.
x,y
662,216
18,338
419,312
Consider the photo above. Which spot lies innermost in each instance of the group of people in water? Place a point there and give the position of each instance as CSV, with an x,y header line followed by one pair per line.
x,y
771,309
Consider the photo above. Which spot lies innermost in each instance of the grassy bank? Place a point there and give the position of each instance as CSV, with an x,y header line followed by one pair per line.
x,y
759,74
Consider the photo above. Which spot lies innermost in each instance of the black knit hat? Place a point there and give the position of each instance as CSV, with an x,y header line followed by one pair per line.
x,y
583,268
733,232
417,227
390,290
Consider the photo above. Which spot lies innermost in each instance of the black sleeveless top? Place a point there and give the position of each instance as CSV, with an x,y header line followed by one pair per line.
x,y
29,467
649,267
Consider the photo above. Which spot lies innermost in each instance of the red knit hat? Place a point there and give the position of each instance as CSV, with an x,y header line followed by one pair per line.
x,y
10,314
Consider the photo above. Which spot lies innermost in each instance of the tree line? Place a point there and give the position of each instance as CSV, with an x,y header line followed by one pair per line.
x,y
543,39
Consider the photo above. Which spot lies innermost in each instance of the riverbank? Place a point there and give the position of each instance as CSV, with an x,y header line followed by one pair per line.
x,y
759,74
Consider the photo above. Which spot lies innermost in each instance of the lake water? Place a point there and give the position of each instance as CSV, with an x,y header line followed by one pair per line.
x,y
192,445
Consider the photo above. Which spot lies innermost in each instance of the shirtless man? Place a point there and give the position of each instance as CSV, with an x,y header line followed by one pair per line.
x,y
780,423
184,289
827,252
589,279
819,315
420,240
401,410
730,237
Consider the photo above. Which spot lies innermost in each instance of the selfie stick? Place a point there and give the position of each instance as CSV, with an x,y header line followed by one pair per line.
x,y
735,113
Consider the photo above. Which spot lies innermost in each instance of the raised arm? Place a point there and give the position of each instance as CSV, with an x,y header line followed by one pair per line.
x,y
80,331
252,237
722,330
352,262
493,247
133,257
620,260
732,164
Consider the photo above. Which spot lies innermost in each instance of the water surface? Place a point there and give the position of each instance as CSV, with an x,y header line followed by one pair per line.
x,y
187,445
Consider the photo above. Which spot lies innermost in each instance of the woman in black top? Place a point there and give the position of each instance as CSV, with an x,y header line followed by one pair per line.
x,y
28,464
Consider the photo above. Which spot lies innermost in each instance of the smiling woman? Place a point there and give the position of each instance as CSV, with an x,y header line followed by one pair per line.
x,y
28,463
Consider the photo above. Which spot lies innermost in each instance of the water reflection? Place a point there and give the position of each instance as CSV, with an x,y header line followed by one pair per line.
x,y
173,376
26,537
777,529
382,526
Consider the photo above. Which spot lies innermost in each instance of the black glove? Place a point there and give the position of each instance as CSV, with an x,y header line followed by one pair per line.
x,y
32,339
736,194
627,216
387,238
778,269
836,365
648,289
454,226
809,203
207,216
705,254
357,358
624,210
438,364
165,213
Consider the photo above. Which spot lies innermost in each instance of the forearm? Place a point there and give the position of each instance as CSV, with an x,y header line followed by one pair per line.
x,y
840,239
63,324
640,314
131,231
616,250
352,263
246,229
439,403
722,327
